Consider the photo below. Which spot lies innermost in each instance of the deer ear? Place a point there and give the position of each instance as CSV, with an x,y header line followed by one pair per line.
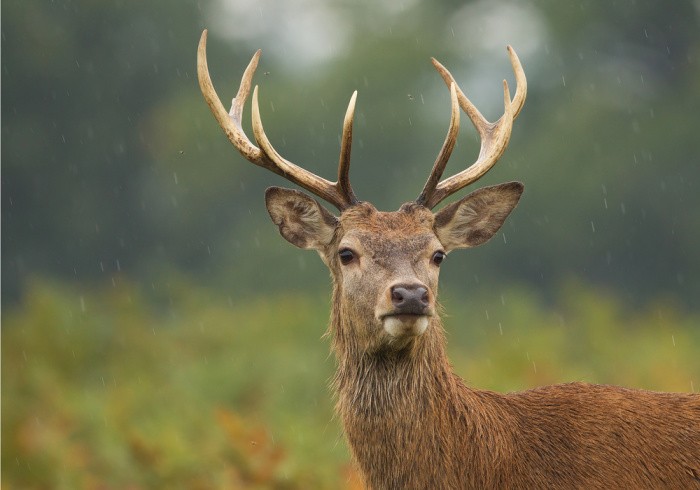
x,y
474,219
301,220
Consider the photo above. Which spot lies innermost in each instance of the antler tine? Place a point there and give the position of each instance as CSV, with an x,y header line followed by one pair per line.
x,y
337,193
230,123
520,82
345,147
494,136
445,151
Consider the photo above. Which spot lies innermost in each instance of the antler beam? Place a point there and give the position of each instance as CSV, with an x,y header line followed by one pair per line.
x,y
339,193
494,136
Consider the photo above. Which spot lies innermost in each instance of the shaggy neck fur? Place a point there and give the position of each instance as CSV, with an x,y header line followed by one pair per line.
x,y
406,414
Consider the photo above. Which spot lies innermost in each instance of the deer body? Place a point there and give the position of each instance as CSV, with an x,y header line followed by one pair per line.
x,y
411,423
564,436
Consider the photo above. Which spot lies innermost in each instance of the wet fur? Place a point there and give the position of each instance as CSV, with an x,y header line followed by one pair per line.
x,y
412,423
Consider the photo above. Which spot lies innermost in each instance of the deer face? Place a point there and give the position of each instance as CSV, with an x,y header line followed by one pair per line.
x,y
385,265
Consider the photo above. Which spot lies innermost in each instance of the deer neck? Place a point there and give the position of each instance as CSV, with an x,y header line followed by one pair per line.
x,y
407,416
380,382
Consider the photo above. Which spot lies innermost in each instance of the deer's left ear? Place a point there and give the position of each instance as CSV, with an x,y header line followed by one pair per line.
x,y
474,219
301,220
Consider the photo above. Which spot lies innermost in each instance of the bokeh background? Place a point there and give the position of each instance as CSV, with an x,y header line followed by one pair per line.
x,y
156,330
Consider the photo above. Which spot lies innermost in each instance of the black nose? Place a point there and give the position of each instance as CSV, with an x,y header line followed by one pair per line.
x,y
410,299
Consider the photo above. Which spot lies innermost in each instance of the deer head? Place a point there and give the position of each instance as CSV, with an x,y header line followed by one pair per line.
x,y
384,265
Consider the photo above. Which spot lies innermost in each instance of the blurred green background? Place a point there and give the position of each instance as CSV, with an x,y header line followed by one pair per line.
x,y
157,331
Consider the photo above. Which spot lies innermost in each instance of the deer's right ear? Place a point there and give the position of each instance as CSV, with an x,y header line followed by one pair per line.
x,y
301,220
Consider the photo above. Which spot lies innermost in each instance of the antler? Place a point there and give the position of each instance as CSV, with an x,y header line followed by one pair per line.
x,y
494,136
339,193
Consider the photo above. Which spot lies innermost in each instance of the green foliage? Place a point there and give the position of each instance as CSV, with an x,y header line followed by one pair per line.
x,y
104,389
170,386
513,341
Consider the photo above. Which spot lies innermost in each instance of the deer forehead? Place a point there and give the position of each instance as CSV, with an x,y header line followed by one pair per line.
x,y
388,236
410,220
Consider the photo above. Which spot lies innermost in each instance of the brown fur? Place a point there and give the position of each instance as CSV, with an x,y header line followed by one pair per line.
x,y
412,423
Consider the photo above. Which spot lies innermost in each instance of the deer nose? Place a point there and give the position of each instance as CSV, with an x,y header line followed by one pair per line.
x,y
410,299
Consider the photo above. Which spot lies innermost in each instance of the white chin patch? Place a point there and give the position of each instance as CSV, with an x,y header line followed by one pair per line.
x,y
405,325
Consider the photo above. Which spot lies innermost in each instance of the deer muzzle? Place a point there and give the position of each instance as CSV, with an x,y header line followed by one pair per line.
x,y
410,308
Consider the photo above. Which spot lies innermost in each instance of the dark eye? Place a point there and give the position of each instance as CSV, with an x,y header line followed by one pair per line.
x,y
438,257
346,256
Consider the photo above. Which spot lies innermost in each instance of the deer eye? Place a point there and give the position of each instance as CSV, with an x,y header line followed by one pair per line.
x,y
438,257
346,256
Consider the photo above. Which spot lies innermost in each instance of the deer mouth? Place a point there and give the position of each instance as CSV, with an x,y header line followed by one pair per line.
x,y
407,313
405,324
405,317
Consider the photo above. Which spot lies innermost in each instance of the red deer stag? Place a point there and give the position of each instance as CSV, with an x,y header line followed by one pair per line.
x,y
409,420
